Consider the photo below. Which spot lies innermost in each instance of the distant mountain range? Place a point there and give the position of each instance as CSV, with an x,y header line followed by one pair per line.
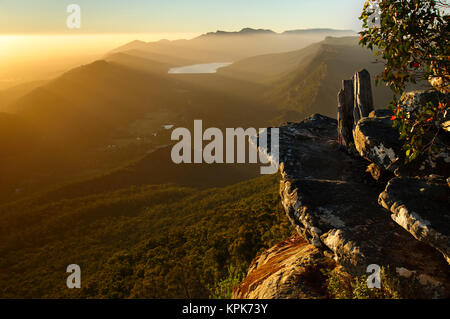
x,y
320,30
223,46
129,96
244,31
250,31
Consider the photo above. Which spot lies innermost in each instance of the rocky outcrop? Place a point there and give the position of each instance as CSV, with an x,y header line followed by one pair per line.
x,y
377,141
355,101
291,269
421,206
333,204
330,190
413,100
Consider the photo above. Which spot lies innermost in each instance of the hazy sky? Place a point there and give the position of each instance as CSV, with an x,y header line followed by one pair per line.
x,y
35,42
163,16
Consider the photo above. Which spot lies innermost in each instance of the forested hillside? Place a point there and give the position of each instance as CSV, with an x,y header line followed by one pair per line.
x,y
145,242
87,176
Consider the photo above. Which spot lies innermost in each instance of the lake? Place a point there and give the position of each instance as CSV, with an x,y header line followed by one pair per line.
x,y
199,68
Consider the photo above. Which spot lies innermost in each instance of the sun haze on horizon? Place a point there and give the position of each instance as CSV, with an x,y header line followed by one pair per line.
x,y
36,44
31,57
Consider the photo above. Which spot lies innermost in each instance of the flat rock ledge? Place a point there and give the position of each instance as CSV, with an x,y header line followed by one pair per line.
x,y
421,206
333,204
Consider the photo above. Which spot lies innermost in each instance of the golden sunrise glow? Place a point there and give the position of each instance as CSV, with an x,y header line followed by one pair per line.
x,y
30,57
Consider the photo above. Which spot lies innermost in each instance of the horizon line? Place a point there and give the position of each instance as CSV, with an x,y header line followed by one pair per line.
x,y
81,33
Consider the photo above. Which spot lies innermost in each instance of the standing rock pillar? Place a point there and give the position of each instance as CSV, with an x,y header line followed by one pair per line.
x,y
345,113
363,100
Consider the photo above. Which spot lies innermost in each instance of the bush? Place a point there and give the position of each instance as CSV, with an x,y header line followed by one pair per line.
x,y
223,289
412,38
343,286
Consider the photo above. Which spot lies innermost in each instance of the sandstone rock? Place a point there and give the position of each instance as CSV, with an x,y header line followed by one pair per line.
x,y
355,102
363,95
381,113
378,174
345,113
413,99
439,163
333,205
438,82
422,207
446,126
289,270
377,141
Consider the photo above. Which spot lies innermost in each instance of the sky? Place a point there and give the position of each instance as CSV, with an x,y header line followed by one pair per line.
x,y
35,42
177,16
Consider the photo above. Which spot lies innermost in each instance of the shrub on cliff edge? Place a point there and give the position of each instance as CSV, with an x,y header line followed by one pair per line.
x,y
412,37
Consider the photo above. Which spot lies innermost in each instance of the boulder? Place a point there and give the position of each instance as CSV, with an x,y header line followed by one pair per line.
x,y
439,162
291,269
422,207
377,141
381,113
446,126
332,204
412,100
340,212
355,102
378,174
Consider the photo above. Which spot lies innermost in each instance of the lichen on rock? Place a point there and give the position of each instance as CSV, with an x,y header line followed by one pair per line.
x,y
333,205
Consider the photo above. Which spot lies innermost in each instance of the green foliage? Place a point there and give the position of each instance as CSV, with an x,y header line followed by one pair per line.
x,y
140,242
419,129
223,289
342,286
413,40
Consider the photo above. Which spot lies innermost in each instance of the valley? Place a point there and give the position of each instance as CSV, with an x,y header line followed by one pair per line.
x,y
87,176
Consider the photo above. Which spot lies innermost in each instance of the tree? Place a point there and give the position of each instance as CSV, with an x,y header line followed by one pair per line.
x,y
412,37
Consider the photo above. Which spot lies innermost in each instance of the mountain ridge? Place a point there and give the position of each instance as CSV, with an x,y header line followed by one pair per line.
x,y
244,31
231,46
